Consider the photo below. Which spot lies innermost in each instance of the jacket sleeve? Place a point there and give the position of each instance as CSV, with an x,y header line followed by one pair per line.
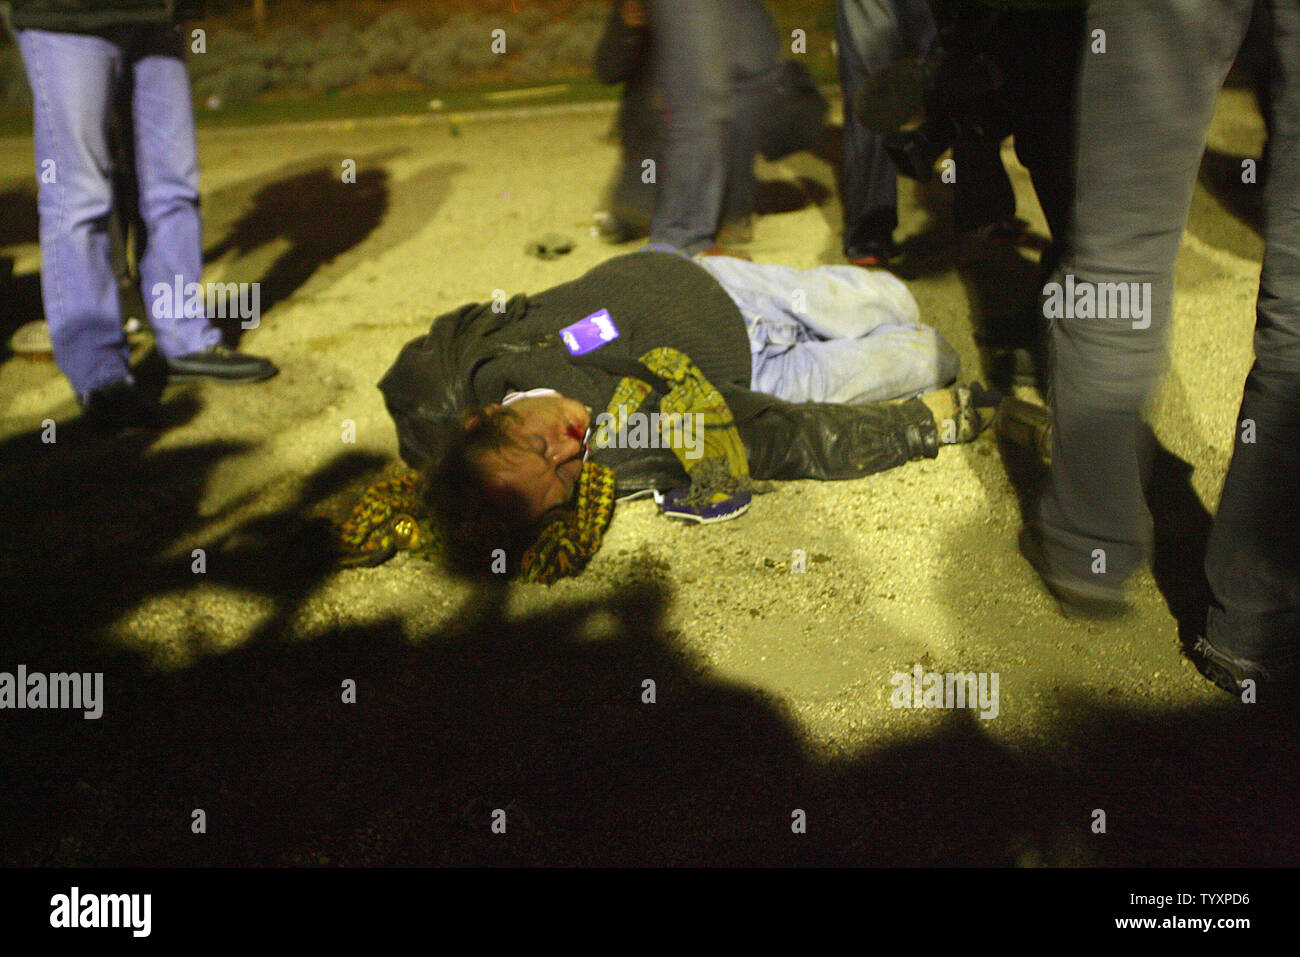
x,y
819,440
804,440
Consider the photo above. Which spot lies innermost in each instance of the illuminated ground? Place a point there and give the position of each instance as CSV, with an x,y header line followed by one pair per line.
x,y
773,687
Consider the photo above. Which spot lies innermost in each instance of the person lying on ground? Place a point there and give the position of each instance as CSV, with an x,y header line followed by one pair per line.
x,y
518,411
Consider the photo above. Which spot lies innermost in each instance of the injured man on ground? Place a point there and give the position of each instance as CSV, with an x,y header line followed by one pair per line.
x,y
695,380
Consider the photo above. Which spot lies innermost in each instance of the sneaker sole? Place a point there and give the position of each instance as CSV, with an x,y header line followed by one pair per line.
x,y
224,379
701,520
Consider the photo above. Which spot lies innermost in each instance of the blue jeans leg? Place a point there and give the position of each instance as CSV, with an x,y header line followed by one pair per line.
x,y
833,333
167,165
71,78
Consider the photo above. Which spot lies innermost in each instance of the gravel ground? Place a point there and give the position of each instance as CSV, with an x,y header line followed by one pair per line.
x,y
772,686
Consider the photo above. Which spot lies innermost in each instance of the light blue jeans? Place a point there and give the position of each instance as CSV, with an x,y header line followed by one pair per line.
x,y
74,79
834,333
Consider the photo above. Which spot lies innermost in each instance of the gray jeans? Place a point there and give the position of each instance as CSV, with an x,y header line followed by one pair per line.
x,y
713,59
1145,105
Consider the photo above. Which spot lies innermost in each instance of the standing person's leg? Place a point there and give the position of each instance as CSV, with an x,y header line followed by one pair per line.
x,y
1144,108
167,166
1038,53
870,35
755,73
72,77
691,70
982,194
1254,553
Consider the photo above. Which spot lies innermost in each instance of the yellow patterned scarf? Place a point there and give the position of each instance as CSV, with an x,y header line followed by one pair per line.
x,y
391,517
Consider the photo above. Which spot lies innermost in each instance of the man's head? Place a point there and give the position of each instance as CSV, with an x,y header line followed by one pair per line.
x,y
501,471
534,451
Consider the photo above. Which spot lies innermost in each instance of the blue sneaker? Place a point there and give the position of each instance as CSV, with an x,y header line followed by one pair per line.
x,y
719,508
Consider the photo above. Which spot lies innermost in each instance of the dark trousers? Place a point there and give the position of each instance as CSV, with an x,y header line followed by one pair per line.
x,y
870,35
1144,108
1038,53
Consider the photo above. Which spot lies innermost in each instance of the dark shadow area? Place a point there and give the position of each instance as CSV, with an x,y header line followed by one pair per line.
x,y
320,216
934,248
785,196
540,715
323,220
307,205
1026,473
1181,526
20,296
1224,176
19,224
1182,535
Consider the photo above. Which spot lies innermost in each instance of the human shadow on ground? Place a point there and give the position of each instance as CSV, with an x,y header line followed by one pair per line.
x,y
773,196
1181,525
311,221
1240,189
590,725
297,228
1181,537
20,295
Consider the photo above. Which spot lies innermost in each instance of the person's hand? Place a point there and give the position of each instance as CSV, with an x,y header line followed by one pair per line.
x,y
634,15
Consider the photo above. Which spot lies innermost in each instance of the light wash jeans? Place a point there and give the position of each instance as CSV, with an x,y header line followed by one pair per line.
x,y
833,333
74,79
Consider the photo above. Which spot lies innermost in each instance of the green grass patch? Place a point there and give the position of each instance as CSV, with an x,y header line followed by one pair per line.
x,y
342,106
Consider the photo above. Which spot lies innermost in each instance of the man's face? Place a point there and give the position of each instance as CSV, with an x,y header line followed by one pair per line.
x,y
543,464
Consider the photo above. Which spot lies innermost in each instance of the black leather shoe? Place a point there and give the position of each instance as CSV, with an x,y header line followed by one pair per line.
x,y
1224,670
1076,597
218,362
120,406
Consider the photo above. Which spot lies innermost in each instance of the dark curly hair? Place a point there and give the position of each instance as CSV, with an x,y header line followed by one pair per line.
x,y
480,522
